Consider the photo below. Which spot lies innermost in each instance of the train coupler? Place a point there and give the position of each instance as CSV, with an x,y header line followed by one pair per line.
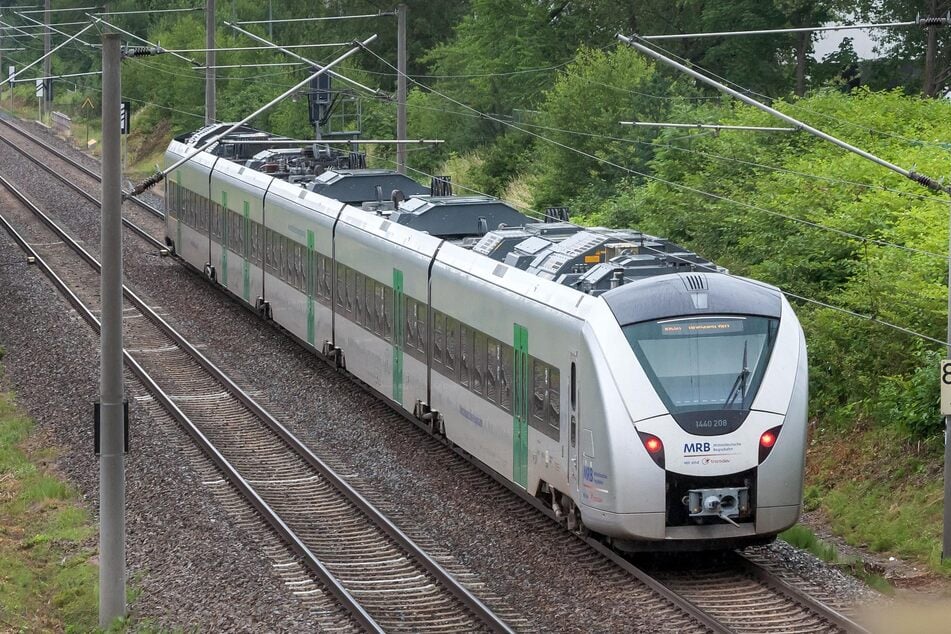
x,y
726,503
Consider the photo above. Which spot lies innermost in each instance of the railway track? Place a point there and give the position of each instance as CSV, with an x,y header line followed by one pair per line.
x,y
735,595
379,576
138,215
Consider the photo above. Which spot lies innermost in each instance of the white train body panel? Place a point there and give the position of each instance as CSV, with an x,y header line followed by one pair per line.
x,y
300,216
580,399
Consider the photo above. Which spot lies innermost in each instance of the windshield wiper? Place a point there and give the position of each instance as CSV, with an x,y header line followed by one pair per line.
x,y
739,385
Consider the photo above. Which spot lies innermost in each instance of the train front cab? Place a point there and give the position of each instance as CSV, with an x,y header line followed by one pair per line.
x,y
708,457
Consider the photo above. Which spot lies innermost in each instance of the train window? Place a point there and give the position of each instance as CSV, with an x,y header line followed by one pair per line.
x,y
213,220
341,284
465,356
553,414
351,286
376,308
506,372
478,363
410,320
268,249
237,233
388,313
369,303
452,346
359,295
574,387
323,276
539,390
439,337
422,313
492,370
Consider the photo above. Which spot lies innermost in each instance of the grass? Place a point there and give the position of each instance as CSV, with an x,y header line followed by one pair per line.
x,y
880,491
803,538
47,542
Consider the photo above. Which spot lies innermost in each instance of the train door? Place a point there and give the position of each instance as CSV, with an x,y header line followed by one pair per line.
x,y
573,473
522,384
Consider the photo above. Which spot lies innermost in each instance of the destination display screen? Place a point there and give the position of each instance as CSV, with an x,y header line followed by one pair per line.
x,y
701,327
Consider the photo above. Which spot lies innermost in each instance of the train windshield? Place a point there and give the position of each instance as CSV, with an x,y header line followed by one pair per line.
x,y
704,363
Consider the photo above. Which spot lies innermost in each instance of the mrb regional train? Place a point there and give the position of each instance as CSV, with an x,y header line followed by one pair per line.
x,y
639,390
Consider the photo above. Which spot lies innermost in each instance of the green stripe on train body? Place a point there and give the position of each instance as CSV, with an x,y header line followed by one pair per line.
x,y
521,405
399,334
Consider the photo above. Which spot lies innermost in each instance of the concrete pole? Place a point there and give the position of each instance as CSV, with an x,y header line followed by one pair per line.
x,y
946,542
270,19
47,63
401,12
111,415
210,96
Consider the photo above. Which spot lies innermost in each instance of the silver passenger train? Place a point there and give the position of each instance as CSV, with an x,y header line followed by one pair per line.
x,y
666,412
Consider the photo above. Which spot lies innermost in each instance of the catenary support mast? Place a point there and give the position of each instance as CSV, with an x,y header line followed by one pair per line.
x,y
111,409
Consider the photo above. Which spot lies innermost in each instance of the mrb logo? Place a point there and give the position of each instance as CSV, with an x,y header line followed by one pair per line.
x,y
696,447
588,473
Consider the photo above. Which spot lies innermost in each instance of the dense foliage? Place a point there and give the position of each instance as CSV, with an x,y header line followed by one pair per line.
x,y
528,96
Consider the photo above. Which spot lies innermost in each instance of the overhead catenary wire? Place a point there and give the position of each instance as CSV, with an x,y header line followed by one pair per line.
x,y
49,27
286,51
797,106
799,29
919,178
53,50
159,176
327,18
99,20
706,126
700,192
253,48
180,10
62,10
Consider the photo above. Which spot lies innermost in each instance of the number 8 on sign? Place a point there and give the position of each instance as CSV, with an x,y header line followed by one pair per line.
x,y
946,387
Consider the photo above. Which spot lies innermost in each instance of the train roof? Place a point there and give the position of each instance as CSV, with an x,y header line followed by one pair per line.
x,y
357,186
695,293
455,217
592,260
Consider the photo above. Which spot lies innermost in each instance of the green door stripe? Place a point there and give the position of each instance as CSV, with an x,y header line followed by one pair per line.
x,y
311,275
399,335
521,405
224,239
247,251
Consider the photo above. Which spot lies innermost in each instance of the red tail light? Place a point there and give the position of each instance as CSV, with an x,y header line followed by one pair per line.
x,y
654,447
767,441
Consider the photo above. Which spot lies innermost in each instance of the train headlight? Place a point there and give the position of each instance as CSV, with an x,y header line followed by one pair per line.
x,y
767,441
654,447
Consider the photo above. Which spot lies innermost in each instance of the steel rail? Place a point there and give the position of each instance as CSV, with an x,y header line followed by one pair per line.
x,y
796,595
465,596
85,170
142,233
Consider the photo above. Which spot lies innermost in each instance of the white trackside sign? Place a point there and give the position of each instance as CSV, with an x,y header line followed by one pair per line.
x,y
946,387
